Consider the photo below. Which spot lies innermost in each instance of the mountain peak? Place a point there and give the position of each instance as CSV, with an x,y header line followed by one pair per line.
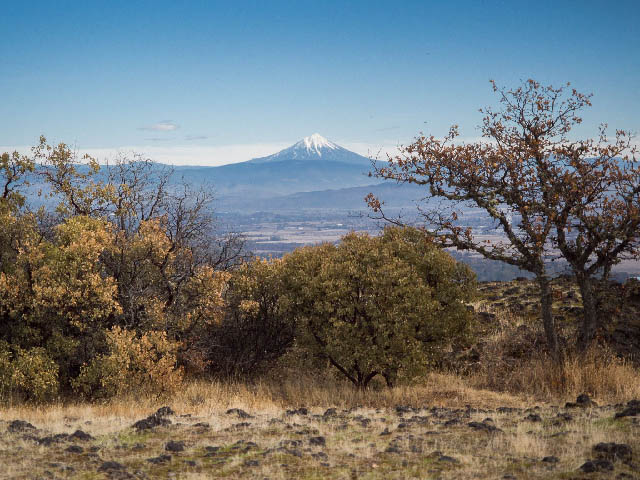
x,y
315,148
315,143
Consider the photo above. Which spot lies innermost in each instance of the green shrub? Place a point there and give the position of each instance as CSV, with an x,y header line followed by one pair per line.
x,y
378,305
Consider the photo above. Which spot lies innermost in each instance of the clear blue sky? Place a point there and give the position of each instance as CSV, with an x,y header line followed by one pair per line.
x,y
207,74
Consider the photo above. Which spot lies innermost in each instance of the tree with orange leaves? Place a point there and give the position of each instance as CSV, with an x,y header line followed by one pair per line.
x,y
543,190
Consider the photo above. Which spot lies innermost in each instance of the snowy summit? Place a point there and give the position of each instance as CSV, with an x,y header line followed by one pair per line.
x,y
315,142
313,148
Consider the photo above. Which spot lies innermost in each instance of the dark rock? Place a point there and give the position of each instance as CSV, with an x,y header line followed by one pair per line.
x,y
191,463
551,459
591,466
238,426
533,417
299,411
74,449
632,409
563,416
320,456
613,451
583,401
318,441
202,425
484,426
393,448
238,413
212,449
251,463
448,459
164,412
402,409
17,426
290,443
81,436
109,466
156,420
173,446
330,412
385,432
51,439
164,458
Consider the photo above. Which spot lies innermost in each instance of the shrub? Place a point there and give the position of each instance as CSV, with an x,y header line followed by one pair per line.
x,y
256,329
144,365
27,374
378,305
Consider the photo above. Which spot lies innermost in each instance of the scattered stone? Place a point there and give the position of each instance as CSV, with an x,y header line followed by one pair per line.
x,y
385,432
318,441
298,411
17,426
402,409
533,417
202,425
330,412
393,448
600,465
191,463
110,465
290,443
238,413
448,459
173,446
613,451
81,436
251,463
551,459
165,412
238,426
51,439
74,449
583,401
320,456
485,425
164,458
564,417
156,420
632,409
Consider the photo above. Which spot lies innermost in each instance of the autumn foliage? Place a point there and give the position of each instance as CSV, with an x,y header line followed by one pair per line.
x,y
551,195
126,289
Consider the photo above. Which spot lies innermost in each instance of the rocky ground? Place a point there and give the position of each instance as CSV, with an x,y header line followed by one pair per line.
x,y
574,441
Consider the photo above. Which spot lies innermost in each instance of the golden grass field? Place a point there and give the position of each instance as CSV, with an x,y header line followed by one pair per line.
x,y
428,434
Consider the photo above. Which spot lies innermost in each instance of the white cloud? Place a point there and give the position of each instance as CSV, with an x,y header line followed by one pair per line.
x,y
164,126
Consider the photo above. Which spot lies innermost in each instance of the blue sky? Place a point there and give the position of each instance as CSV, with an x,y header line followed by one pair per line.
x,y
213,82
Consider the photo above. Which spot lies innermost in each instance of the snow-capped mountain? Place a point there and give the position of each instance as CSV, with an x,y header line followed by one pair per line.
x,y
315,147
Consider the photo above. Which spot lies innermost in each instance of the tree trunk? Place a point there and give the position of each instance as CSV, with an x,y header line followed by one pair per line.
x,y
590,315
546,303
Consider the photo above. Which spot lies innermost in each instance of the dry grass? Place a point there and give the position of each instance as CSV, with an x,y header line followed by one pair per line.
x,y
205,398
352,450
514,361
